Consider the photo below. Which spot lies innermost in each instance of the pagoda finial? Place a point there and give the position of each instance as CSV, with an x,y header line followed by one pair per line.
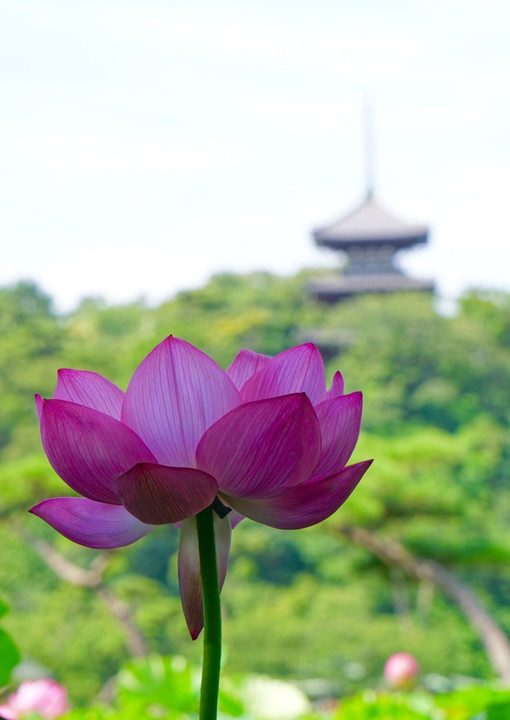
x,y
369,148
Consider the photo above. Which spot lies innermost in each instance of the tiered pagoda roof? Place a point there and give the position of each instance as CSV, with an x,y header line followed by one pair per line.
x,y
370,236
370,223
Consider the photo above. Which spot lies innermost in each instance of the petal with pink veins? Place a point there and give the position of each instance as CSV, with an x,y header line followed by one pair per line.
x,y
189,568
88,448
336,389
158,494
93,524
261,447
340,421
337,385
245,364
306,504
174,396
89,389
299,369
38,405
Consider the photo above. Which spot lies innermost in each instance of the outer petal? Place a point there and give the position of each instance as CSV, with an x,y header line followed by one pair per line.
x,y
340,421
299,369
336,389
305,505
88,449
262,447
245,364
174,396
38,405
337,386
89,389
235,518
7,713
93,524
189,569
158,494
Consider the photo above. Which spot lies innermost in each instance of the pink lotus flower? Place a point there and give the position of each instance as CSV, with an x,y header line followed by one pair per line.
x,y
45,697
265,438
401,670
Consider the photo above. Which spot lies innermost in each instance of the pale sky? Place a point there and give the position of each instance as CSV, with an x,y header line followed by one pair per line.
x,y
147,144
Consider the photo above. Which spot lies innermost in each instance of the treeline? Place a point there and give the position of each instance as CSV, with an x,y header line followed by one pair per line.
x,y
328,602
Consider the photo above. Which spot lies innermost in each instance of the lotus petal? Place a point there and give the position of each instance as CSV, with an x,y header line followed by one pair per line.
x,y
235,518
261,447
340,421
89,389
158,494
38,405
93,524
245,364
174,396
337,385
305,505
189,568
7,713
298,369
88,448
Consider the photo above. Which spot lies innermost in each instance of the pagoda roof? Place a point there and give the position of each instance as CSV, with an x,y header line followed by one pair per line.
x,y
334,287
370,223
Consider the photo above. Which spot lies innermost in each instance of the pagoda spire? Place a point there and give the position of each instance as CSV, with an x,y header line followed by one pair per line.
x,y
368,113
368,238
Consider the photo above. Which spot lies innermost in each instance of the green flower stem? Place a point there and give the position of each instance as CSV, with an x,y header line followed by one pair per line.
x,y
212,615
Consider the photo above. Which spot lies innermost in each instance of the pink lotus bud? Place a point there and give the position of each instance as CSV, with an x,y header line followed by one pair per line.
x,y
46,697
401,670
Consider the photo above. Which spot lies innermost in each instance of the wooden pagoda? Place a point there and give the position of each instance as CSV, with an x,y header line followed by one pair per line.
x,y
369,237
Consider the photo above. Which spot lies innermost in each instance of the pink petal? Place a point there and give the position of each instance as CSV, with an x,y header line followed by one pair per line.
x,y
305,505
245,364
174,396
339,420
189,569
7,713
337,385
336,389
262,447
298,369
38,405
93,524
88,449
235,518
158,494
89,389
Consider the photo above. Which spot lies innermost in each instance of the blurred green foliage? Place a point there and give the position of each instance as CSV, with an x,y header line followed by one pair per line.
x,y
9,653
167,688
301,604
475,703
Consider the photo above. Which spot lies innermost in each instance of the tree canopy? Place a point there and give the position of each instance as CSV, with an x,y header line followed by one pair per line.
x,y
308,603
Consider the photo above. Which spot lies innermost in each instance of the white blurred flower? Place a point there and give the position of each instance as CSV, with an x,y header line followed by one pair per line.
x,y
269,699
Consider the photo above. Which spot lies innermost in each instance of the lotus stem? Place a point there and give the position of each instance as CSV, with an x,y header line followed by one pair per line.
x,y
212,615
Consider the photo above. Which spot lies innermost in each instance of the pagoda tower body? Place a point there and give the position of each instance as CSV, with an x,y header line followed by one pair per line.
x,y
370,237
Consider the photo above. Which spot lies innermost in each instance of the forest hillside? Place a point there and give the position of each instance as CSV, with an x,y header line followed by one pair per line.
x,y
422,545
